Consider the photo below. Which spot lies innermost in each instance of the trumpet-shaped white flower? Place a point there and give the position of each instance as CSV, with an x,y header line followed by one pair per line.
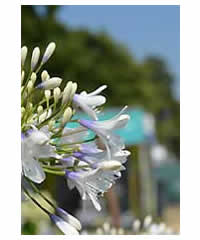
x,y
34,145
89,101
104,130
92,183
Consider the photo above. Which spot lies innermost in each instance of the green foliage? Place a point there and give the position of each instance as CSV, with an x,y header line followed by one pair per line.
x,y
93,59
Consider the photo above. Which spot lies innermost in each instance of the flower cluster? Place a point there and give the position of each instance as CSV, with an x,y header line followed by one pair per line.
x,y
48,145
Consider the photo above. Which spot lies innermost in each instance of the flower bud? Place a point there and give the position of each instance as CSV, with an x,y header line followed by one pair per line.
x,y
24,51
111,165
29,86
51,124
56,93
66,93
48,52
33,77
47,94
40,110
45,75
73,91
66,116
30,106
50,83
35,58
43,116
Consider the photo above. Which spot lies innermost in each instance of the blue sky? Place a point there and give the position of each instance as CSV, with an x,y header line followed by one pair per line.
x,y
145,30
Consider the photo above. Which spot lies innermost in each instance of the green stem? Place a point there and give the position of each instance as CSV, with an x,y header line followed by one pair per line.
x,y
41,194
59,173
35,201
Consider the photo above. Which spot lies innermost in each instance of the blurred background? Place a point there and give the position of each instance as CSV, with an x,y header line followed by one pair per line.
x,y
135,51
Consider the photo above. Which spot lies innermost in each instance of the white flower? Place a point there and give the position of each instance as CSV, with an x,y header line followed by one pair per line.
x,y
104,129
64,226
89,101
97,157
34,145
92,183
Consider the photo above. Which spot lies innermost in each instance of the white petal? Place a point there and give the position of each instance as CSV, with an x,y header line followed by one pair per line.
x,y
94,100
95,202
70,184
69,218
33,170
65,227
97,91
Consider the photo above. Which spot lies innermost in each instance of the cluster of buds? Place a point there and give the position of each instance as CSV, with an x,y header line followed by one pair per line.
x,y
50,146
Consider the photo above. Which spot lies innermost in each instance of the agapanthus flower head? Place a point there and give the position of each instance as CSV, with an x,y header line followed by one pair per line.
x,y
49,145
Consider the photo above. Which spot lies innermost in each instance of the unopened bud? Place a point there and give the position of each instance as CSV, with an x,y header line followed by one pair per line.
x,y
67,92
43,116
51,124
66,116
111,165
29,86
74,88
40,110
45,76
56,93
24,51
33,77
50,83
30,106
47,94
35,58
48,52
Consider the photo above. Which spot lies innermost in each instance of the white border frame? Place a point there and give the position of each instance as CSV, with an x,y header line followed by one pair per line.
x,y
10,116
